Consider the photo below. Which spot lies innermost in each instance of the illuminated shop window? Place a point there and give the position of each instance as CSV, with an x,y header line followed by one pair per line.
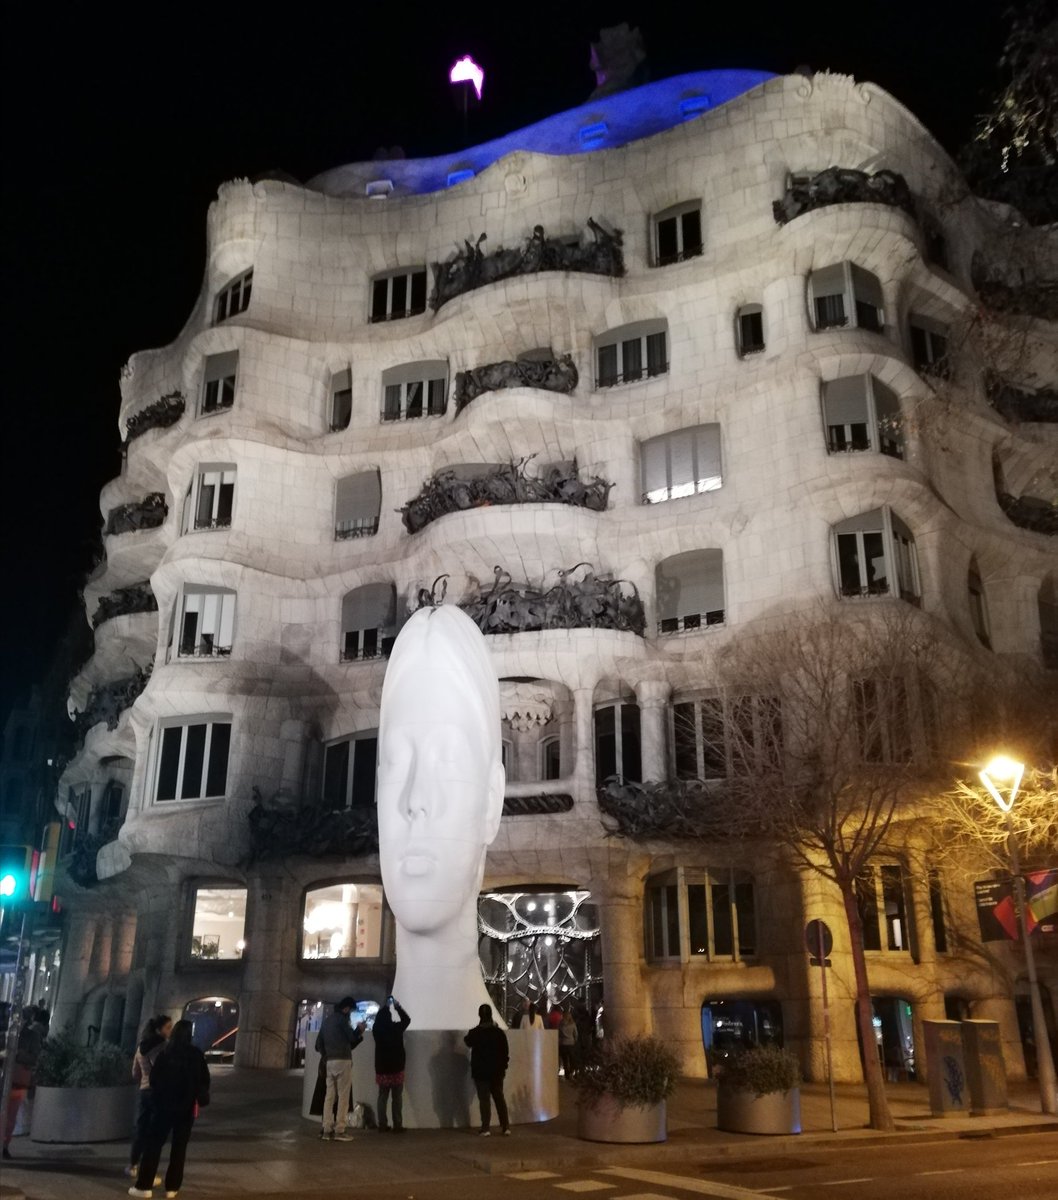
x,y
343,921
219,924
233,298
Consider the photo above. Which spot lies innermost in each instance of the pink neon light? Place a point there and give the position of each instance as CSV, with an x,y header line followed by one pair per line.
x,y
466,70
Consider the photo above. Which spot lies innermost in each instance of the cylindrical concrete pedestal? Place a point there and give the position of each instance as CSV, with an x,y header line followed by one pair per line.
x,y
438,1090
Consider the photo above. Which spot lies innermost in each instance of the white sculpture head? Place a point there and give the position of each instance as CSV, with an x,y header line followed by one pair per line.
x,y
440,775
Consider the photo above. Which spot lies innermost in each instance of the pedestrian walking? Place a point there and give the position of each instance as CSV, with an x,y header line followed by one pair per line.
x,y
567,1044
152,1041
179,1088
336,1041
27,1051
389,1063
489,1056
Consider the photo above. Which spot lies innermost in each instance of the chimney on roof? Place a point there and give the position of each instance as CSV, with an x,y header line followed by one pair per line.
x,y
619,60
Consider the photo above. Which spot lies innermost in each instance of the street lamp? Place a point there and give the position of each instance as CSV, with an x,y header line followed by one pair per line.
x,y
1002,778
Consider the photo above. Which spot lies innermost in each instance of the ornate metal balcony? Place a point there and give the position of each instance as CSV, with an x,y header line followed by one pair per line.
x,y
506,484
148,513
159,415
136,598
842,185
280,828
1030,512
471,269
108,702
550,375
589,602
675,808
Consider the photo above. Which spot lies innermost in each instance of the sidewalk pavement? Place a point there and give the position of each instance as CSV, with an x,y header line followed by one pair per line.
x,y
253,1141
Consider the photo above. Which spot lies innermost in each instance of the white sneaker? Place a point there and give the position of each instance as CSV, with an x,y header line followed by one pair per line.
x,y
143,1193
343,1137
171,1195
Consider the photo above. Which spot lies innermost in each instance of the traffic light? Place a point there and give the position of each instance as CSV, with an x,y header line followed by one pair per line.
x,y
16,865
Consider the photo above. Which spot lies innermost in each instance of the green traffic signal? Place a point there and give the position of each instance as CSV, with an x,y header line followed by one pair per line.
x,y
15,865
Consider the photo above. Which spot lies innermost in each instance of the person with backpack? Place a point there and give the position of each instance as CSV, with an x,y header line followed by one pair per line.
x,y
152,1041
489,1056
179,1085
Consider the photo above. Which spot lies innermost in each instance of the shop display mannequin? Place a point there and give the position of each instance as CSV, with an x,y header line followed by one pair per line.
x,y
440,797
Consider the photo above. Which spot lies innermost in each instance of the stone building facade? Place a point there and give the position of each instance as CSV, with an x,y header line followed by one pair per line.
x,y
730,296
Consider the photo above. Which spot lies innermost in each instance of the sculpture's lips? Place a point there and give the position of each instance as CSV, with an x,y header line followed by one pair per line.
x,y
418,864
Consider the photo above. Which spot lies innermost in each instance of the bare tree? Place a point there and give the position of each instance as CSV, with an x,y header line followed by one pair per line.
x,y
822,732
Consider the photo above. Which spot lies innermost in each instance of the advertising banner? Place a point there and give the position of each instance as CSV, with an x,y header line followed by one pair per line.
x,y
997,912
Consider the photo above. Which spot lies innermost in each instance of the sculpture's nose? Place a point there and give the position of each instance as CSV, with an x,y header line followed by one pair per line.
x,y
415,800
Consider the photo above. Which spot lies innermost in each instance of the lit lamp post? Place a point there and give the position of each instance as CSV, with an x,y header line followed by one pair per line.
x,y
1003,774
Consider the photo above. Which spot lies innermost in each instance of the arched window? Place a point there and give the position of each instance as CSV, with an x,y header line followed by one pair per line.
x,y
631,353
978,605
233,298
845,296
749,329
369,622
861,413
689,590
721,918
414,390
357,502
681,463
875,555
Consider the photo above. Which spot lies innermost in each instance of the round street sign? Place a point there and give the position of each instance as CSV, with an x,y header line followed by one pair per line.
x,y
815,930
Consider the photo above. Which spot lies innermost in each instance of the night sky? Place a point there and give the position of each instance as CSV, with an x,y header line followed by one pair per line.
x,y
118,130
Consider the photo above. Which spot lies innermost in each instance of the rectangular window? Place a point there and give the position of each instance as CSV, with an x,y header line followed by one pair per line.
x,y
617,744
664,921
234,298
844,294
358,501
720,914
894,907
207,622
867,903
883,720
860,413
212,497
697,920
750,329
219,924
218,381
690,590
341,400
861,562
936,912
349,770
193,760
412,398
685,462
620,358
400,295
677,236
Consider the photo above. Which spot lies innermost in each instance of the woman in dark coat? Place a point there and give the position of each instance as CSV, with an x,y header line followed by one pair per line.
x,y
389,1063
179,1086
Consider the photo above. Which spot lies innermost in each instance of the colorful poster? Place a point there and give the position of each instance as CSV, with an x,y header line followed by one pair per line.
x,y
997,913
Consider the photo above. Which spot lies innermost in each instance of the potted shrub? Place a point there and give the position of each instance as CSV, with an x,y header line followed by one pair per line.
x,y
759,1092
83,1093
622,1092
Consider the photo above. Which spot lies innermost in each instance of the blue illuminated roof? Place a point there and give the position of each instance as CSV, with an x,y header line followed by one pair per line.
x,y
598,125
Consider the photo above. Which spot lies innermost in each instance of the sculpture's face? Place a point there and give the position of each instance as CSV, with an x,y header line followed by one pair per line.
x,y
440,789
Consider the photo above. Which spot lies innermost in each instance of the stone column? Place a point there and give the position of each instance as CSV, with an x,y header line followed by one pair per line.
x,y
73,972
652,696
583,772
266,1015
620,902
99,966
123,944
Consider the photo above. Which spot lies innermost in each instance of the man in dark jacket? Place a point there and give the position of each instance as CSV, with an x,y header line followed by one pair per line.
x,y
489,1055
336,1042
179,1086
